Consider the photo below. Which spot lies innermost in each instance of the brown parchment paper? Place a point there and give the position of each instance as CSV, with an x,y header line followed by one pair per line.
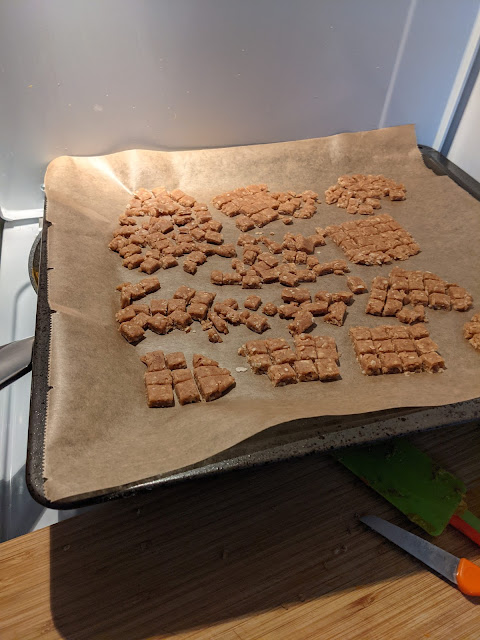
x,y
99,431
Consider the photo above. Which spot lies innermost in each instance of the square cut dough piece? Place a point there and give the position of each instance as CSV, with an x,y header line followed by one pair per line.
x,y
207,371
391,363
418,331
254,347
180,319
379,333
425,345
288,311
197,310
319,308
281,375
160,324
252,302
404,344
213,387
410,361
125,315
374,307
392,307
305,370
160,395
184,293
398,332
259,363
176,303
274,344
302,322
181,375
361,333
159,305
155,360
439,301
327,353
475,341
410,315
203,297
327,369
470,329
378,294
256,322
296,294
283,356
158,377
187,392
132,331
384,346
304,340
432,362
370,364
269,309
175,360
363,347
356,284
325,342
336,313
150,265
418,297
200,360
306,352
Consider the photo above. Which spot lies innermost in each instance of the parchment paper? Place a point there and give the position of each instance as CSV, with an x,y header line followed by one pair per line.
x,y
99,431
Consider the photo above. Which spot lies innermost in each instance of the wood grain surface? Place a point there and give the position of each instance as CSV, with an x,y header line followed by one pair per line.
x,y
275,553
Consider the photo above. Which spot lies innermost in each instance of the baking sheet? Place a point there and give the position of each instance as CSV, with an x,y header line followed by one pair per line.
x,y
99,431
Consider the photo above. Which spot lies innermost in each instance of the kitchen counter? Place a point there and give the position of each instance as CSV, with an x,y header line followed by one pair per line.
x,y
273,553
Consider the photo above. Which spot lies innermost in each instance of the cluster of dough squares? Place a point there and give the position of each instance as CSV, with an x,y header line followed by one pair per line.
x,y
471,331
158,227
312,358
377,240
167,373
226,312
289,263
256,206
405,294
396,349
362,194
302,308
162,315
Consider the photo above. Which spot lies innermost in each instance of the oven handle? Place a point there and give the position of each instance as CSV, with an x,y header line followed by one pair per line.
x,y
15,360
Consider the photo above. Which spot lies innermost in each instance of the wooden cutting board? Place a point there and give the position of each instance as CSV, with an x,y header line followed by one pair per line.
x,y
275,553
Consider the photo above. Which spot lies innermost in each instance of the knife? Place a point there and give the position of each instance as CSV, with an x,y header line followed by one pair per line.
x,y
460,571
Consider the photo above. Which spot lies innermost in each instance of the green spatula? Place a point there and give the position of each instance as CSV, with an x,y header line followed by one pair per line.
x,y
427,494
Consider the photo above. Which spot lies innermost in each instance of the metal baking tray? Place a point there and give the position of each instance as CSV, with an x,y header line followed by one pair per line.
x,y
284,441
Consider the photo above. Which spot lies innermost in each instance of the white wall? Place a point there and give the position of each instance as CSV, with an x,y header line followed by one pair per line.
x,y
465,148
88,77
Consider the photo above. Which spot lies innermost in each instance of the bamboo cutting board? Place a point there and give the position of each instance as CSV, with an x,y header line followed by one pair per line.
x,y
269,554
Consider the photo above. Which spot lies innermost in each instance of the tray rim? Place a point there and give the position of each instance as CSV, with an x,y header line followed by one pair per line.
x,y
393,426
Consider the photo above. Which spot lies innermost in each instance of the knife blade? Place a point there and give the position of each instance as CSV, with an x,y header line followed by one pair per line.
x,y
459,571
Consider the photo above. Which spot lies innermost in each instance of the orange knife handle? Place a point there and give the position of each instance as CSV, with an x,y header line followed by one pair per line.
x,y
468,577
468,524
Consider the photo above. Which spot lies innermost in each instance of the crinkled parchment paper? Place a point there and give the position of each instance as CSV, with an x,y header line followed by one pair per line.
x,y
99,431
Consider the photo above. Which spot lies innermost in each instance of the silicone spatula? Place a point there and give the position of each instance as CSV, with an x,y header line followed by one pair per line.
x,y
428,495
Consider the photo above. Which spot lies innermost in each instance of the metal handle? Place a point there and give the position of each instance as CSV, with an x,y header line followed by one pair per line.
x,y
15,359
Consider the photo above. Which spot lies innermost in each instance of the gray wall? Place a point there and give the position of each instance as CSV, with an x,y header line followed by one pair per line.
x,y
86,77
